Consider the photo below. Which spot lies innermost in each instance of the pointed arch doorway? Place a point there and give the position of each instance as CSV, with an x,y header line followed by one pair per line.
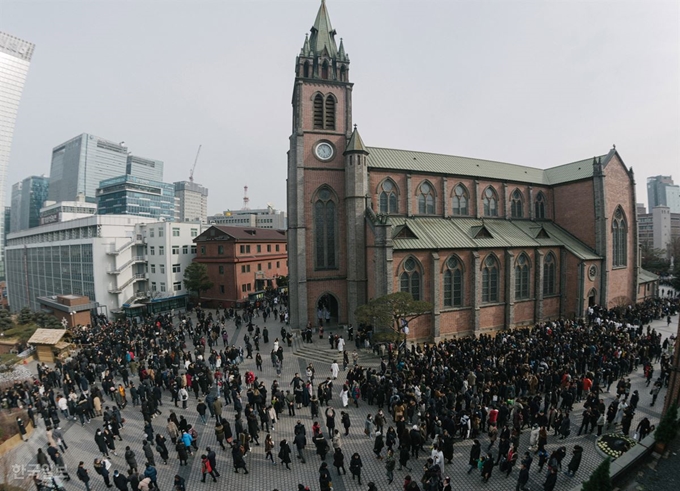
x,y
328,307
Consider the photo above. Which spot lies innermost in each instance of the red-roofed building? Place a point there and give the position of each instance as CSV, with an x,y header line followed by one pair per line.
x,y
241,262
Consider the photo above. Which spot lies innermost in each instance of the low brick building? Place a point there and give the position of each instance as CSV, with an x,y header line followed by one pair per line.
x,y
241,262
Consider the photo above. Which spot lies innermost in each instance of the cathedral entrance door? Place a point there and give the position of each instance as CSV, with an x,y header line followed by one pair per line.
x,y
327,306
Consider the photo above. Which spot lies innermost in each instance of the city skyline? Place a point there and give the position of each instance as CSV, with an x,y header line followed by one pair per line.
x,y
530,84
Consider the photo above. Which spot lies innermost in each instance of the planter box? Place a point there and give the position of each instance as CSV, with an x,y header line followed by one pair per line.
x,y
16,440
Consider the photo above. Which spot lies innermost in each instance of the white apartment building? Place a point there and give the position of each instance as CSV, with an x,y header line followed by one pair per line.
x,y
258,218
193,201
169,250
116,260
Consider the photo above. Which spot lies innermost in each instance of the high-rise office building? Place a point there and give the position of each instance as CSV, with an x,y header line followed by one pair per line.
x,y
28,196
15,59
131,195
193,201
15,214
80,164
33,197
144,168
662,192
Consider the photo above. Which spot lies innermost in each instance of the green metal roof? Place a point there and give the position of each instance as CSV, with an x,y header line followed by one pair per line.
x,y
406,160
356,144
459,233
646,276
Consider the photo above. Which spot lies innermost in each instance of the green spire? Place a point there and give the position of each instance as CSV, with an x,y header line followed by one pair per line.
x,y
356,144
323,34
342,56
305,51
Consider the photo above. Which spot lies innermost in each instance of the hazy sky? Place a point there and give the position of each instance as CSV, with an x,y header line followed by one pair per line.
x,y
537,83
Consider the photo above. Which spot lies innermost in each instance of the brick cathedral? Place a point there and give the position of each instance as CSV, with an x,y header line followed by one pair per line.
x,y
490,245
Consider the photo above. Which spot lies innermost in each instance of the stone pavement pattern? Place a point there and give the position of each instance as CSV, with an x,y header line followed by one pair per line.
x,y
265,477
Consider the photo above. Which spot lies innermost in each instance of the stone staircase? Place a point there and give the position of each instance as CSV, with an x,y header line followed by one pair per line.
x,y
320,353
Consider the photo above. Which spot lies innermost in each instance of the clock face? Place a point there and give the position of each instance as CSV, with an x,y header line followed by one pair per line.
x,y
324,151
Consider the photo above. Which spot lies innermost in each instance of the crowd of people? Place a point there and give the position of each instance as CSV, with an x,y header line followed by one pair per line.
x,y
424,399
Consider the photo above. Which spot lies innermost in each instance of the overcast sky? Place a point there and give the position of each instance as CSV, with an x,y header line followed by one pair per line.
x,y
537,83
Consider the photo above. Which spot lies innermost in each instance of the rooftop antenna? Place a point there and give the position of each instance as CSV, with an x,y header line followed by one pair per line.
x,y
191,174
246,199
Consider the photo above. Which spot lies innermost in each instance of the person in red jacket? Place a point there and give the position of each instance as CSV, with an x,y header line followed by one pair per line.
x,y
206,468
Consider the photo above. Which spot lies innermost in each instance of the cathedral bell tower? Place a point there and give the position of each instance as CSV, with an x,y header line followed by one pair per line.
x,y
325,244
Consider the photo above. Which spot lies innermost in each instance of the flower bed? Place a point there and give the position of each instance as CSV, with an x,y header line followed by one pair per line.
x,y
614,445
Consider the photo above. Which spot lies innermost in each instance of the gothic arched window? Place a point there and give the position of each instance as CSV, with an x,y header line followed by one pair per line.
x,y
325,230
539,206
549,274
490,201
619,239
516,204
490,280
324,70
387,197
426,199
522,289
460,200
453,283
329,116
409,279
318,112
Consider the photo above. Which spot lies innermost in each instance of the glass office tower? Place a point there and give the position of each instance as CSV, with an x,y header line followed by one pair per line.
x,y
15,59
130,195
80,164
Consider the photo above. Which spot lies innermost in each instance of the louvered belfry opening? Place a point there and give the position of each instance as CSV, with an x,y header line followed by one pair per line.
x,y
318,112
330,113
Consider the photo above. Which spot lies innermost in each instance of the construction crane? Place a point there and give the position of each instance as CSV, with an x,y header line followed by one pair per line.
x,y
191,174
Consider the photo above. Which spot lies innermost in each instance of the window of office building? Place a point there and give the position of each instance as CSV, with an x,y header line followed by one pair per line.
x,y
153,268
162,287
176,268
177,286
161,250
175,231
162,268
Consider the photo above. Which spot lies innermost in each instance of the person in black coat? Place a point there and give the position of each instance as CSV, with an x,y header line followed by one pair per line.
x,y
83,475
212,458
355,466
284,453
487,468
120,481
239,461
404,456
162,448
551,480
100,440
339,461
575,461
523,478
324,477
475,453
182,452
321,446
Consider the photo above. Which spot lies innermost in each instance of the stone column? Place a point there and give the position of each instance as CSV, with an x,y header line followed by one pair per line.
x,y
475,196
435,282
509,289
475,294
409,196
504,208
561,270
531,203
445,199
538,285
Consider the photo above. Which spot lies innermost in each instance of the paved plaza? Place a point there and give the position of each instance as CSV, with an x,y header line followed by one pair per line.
x,y
265,477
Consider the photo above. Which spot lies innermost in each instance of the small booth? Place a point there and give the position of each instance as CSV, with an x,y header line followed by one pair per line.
x,y
50,343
